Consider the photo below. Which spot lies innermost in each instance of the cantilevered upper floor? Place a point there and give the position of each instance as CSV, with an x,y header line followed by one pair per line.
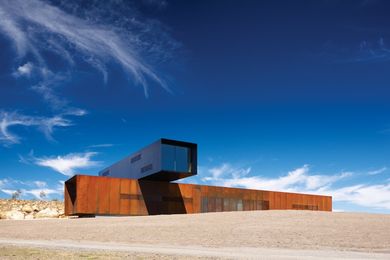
x,y
163,160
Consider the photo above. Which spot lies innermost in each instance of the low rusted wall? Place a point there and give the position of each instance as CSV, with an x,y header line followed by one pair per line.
x,y
92,195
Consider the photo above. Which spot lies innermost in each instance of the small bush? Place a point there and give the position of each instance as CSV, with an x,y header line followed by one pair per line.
x,y
16,195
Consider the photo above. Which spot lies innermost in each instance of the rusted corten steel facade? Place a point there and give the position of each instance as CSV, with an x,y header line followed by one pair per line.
x,y
93,195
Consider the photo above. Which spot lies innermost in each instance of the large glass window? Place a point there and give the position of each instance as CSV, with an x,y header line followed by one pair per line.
x,y
168,157
176,158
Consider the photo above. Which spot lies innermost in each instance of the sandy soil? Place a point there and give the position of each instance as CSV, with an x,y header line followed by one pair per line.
x,y
277,234
14,252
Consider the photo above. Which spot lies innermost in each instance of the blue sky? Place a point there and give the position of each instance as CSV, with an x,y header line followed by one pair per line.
x,y
279,95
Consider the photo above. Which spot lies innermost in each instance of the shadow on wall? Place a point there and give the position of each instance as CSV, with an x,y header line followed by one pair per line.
x,y
70,195
162,197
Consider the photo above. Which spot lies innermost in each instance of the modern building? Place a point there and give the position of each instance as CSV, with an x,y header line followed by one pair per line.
x,y
141,184
163,160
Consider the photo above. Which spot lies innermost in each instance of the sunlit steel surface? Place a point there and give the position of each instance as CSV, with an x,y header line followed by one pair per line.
x,y
163,160
96,195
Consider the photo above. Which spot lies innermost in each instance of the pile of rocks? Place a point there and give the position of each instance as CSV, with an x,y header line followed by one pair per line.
x,y
30,209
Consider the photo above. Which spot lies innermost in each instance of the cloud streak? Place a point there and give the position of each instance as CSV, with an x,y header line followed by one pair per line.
x,y
37,26
373,51
46,125
298,179
378,171
101,34
101,145
68,164
367,51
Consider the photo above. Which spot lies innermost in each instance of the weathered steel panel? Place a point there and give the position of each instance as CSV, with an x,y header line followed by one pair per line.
x,y
82,193
304,201
288,201
211,205
115,185
266,197
91,195
253,198
218,204
323,202
186,192
103,189
283,200
196,199
137,207
278,199
124,197
271,199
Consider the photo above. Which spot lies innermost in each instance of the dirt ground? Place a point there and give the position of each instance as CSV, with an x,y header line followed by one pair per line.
x,y
17,252
276,234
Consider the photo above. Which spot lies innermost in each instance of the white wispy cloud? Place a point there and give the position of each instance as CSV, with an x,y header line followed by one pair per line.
x,y
36,27
46,125
103,34
297,179
40,184
371,196
45,88
302,180
8,191
225,168
160,4
11,28
10,183
378,171
365,51
24,70
2,183
101,145
68,164
30,188
372,51
37,192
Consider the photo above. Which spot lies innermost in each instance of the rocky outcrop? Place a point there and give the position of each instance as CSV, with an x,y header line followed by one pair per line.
x,y
12,214
48,213
30,209
27,208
